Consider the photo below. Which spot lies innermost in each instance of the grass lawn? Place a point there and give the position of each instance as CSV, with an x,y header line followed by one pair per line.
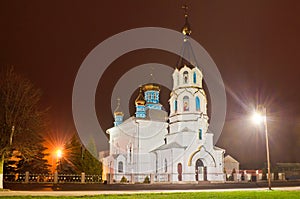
x,y
223,195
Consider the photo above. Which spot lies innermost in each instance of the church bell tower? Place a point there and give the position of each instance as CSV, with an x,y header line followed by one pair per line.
x,y
188,102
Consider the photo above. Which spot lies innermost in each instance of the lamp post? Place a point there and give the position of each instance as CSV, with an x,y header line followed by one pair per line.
x,y
259,116
138,149
58,160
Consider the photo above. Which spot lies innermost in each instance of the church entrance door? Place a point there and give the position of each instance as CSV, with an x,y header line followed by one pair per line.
x,y
179,170
200,171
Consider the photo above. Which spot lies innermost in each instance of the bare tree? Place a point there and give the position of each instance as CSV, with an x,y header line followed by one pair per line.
x,y
20,116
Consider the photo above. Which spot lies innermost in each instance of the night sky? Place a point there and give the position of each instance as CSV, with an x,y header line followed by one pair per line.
x,y
254,43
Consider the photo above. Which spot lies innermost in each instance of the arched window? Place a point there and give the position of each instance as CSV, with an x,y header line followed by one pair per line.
x,y
185,77
120,167
197,104
194,78
175,105
166,165
186,106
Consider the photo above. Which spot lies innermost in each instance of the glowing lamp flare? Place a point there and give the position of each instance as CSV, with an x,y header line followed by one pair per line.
x,y
257,118
59,153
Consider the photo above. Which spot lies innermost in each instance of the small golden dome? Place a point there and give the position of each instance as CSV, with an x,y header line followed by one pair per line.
x,y
149,87
186,29
140,99
117,110
119,113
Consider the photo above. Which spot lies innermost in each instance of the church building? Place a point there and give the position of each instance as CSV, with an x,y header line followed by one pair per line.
x,y
166,147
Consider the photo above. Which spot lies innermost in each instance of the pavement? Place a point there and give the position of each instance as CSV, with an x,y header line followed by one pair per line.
x,y
38,189
105,192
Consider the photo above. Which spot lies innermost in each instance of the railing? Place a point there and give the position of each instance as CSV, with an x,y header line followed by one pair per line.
x,y
52,178
161,177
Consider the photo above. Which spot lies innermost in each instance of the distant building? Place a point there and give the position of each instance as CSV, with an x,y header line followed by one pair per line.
x,y
291,170
231,165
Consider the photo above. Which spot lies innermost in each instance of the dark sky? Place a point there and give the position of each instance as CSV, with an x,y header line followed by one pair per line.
x,y
254,43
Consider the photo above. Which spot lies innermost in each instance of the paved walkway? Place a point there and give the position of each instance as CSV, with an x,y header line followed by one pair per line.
x,y
86,193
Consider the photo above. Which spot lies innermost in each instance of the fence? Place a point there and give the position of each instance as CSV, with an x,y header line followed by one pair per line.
x,y
162,177
52,178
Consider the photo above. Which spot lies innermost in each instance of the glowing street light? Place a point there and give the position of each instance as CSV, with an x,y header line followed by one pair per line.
x,y
258,117
59,153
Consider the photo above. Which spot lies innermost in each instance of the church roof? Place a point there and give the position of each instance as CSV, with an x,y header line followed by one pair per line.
x,y
115,156
169,146
228,157
129,124
150,86
218,148
157,115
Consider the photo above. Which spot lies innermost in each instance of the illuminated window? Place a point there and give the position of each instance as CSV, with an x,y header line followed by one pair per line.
x,y
185,77
197,104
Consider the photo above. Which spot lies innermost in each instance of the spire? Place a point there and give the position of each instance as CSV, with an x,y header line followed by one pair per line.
x,y
151,79
186,50
140,105
118,114
117,110
140,98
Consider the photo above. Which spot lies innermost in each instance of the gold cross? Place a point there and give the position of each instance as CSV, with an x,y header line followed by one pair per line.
x,y
185,8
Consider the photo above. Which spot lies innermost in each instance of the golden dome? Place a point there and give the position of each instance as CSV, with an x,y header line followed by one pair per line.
x,y
148,87
119,113
186,29
117,110
140,99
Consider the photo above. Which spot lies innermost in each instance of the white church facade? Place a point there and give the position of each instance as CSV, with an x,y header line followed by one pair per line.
x,y
170,147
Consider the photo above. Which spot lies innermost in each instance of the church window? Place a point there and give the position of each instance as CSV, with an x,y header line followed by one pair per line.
x,y
166,165
120,167
197,104
156,165
175,105
186,103
185,77
194,78
200,134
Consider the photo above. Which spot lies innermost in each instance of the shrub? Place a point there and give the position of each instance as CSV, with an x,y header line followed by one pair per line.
x,y
123,179
147,179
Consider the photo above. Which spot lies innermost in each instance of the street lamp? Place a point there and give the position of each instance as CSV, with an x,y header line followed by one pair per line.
x,y
260,116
